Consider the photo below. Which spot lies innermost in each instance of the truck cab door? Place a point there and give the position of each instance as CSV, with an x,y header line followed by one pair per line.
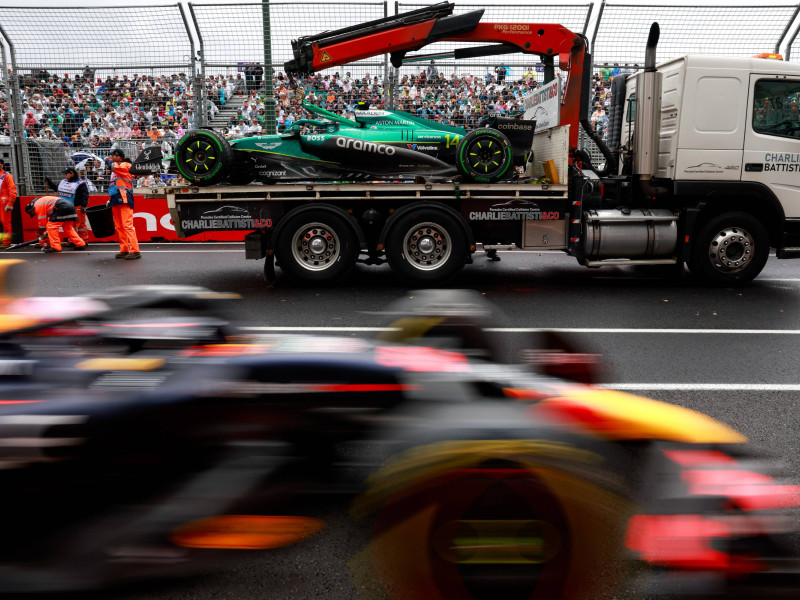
x,y
772,138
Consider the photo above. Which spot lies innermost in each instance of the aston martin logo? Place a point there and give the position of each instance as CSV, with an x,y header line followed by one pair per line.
x,y
325,57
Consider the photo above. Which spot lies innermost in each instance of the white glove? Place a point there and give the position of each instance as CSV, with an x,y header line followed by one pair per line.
x,y
9,207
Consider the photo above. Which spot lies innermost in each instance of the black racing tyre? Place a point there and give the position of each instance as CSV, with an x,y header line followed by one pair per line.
x,y
730,249
522,527
484,155
204,157
316,248
426,247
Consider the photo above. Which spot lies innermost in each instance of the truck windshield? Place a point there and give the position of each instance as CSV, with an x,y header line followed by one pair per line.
x,y
776,108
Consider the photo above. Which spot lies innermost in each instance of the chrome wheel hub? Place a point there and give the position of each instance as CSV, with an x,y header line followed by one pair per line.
x,y
731,250
427,246
315,246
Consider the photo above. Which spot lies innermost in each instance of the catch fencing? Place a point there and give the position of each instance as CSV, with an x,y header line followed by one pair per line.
x,y
84,58
204,64
620,34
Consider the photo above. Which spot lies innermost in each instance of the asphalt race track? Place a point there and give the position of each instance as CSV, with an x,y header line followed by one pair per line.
x,y
729,352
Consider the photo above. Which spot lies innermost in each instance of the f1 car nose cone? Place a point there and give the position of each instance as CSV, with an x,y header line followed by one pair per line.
x,y
317,245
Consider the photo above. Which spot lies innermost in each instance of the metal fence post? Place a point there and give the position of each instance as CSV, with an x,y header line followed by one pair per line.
x,y
388,84
200,96
597,23
12,133
197,88
588,18
270,125
786,31
17,128
200,109
790,43
16,132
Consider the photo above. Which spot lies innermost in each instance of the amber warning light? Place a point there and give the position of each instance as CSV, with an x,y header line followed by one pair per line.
x,y
769,55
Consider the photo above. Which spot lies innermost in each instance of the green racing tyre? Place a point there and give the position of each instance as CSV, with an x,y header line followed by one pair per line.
x,y
203,157
484,156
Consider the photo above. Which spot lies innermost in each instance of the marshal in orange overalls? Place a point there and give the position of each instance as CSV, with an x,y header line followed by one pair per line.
x,y
120,191
8,196
52,214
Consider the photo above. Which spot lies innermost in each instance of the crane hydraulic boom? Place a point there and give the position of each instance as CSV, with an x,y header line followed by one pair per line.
x,y
411,31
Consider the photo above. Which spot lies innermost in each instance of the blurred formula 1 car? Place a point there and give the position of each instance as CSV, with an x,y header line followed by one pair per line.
x,y
378,144
479,479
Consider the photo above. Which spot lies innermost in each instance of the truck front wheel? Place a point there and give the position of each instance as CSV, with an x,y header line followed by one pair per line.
x,y
316,249
426,247
730,249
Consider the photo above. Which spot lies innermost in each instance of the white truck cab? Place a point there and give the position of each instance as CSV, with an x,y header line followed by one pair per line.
x,y
729,119
716,141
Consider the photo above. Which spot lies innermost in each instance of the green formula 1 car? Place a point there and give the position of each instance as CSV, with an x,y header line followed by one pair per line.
x,y
378,144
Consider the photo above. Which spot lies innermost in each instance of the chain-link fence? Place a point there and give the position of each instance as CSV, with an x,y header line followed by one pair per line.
x,y
621,31
78,82
80,75
238,61
620,36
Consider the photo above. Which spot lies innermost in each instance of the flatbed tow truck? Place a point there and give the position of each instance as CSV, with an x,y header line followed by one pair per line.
x,y
684,182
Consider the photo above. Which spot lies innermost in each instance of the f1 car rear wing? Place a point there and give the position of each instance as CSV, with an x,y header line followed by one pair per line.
x,y
407,32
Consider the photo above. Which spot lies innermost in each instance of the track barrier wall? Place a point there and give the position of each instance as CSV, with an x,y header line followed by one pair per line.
x,y
151,219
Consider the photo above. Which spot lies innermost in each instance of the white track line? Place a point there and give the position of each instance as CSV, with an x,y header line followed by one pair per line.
x,y
710,387
317,329
648,331
544,329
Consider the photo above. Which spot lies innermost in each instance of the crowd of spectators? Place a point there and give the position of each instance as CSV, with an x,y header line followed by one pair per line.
x,y
88,112
458,100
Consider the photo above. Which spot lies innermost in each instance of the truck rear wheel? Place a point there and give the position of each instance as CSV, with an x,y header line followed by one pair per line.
x,y
426,247
730,249
203,157
316,248
484,155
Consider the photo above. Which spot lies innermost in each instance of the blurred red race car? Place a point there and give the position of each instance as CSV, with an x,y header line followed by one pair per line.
x,y
127,455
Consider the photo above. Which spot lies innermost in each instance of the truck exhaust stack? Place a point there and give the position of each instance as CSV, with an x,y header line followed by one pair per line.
x,y
648,116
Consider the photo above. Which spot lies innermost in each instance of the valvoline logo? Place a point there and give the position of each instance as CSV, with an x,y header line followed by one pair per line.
x,y
412,146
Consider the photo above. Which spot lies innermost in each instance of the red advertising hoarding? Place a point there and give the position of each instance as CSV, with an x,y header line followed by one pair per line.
x,y
151,219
